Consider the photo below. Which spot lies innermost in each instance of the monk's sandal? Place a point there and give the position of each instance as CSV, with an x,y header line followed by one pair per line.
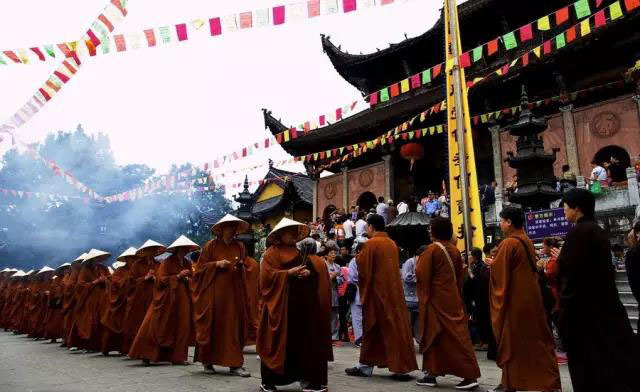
x,y
239,371
427,380
467,384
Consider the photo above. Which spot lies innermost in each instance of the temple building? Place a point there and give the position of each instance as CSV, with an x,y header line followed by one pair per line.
x,y
575,70
281,194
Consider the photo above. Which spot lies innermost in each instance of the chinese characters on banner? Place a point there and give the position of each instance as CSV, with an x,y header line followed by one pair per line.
x,y
547,223
455,189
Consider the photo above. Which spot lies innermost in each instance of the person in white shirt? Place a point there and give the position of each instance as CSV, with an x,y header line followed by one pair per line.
x,y
348,227
402,207
381,208
361,225
598,173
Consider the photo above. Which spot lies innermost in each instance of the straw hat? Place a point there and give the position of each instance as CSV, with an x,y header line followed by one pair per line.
x,y
18,274
303,230
127,253
97,256
118,264
28,273
46,268
148,245
80,258
241,226
183,241
65,265
110,270
6,270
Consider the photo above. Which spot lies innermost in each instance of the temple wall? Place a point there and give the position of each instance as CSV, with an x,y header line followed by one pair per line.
x,y
365,179
329,192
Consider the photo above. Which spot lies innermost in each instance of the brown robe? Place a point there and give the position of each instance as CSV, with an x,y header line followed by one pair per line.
x,y
54,318
445,343
86,330
139,297
525,344
14,304
219,305
10,300
69,299
294,332
41,303
387,341
4,290
252,278
113,311
167,329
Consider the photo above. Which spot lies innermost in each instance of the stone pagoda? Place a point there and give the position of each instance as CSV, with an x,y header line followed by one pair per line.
x,y
245,199
534,167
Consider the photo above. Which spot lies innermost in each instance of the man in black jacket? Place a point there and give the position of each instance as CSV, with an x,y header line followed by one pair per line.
x,y
601,347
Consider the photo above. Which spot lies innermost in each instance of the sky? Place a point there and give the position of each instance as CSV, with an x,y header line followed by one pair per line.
x,y
201,98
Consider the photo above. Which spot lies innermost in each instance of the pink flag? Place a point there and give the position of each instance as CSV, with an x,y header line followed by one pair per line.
x,y
181,30
215,26
349,5
246,20
313,7
278,15
386,2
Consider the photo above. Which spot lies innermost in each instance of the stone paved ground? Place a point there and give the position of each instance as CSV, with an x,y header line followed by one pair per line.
x,y
26,365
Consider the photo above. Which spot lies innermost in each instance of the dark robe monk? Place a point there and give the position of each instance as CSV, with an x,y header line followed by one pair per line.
x,y
601,346
112,316
525,345
139,288
445,343
167,329
86,330
4,289
9,295
54,318
26,304
294,332
387,341
252,279
219,302
41,301
69,300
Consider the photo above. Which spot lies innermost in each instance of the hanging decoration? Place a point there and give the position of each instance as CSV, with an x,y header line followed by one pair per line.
x,y
412,152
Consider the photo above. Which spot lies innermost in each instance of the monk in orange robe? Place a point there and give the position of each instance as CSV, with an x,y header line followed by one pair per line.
x,y
23,321
5,284
139,288
525,344
387,341
14,301
40,300
252,279
445,343
167,328
86,330
54,318
219,299
69,283
294,332
9,297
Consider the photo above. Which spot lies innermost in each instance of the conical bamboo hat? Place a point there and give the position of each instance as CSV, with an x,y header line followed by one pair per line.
x,y
183,241
241,226
303,230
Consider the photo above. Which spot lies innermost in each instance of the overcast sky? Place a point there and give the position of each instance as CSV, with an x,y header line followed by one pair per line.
x,y
199,99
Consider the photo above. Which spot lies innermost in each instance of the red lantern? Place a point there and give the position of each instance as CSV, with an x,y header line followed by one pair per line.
x,y
412,152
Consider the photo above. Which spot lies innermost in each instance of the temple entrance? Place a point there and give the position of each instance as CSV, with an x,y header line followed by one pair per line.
x,y
616,159
428,174
367,201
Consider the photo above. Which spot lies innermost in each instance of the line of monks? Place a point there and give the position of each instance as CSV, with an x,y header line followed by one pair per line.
x,y
156,303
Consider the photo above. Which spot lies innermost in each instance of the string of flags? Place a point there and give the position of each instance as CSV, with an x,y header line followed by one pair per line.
x,y
311,125
180,32
70,63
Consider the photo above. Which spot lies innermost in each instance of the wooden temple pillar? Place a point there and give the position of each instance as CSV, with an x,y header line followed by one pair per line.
x,y
388,177
570,143
315,199
636,96
496,145
345,189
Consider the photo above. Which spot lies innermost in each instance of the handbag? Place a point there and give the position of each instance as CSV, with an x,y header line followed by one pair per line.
x,y
596,188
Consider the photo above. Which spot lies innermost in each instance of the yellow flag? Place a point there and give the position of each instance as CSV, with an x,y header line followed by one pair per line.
x,y
544,23
536,50
404,86
585,27
455,189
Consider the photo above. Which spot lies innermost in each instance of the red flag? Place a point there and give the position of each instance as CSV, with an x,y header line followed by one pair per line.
x,y
120,44
12,56
600,18
525,59
91,47
69,66
215,26
61,76
278,15
562,16
492,47
38,53
279,138
64,49
322,119
151,37
93,38
51,85
546,47
339,114
244,151
415,81
349,5
181,31
75,57
598,3
44,94
373,98
436,70
505,69
106,22
476,120
294,133
526,33
394,90
571,34
117,4
631,4
313,7
465,60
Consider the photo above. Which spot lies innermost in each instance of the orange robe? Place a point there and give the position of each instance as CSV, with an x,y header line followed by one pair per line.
x,y
525,344
9,303
167,329
252,278
387,341
54,318
86,331
220,305
112,316
294,332
4,290
41,302
139,297
69,300
14,304
445,343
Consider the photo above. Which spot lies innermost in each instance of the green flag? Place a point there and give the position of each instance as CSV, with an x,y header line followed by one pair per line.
x,y
510,41
616,10
560,42
384,94
49,50
426,76
165,34
2,60
477,53
582,8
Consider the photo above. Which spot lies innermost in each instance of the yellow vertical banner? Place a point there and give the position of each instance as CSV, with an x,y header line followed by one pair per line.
x,y
456,79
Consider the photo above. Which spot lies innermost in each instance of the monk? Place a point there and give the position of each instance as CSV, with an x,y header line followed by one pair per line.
x,y
252,279
86,330
219,303
294,332
167,328
24,305
54,318
69,299
139,288
40,300
445,343
5,289
113,314
9,311
387,340
525,344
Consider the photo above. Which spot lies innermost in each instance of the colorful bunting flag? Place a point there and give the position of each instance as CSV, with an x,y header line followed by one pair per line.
x,y
582,8
615,10
509,40
544,24
477,53
526,33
